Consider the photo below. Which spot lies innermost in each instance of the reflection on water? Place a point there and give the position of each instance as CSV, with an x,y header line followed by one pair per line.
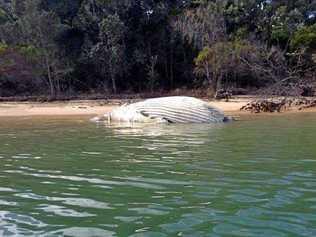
x,y
152,130
69,177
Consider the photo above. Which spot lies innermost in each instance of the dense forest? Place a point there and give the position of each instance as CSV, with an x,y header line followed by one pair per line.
x,y
72,47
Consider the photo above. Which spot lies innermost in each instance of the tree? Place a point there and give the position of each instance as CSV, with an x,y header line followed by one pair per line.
x,y
37,28
109,52
224,61
18,71
212,62
152,73
284,24
303,46
136,45
305,37
203,25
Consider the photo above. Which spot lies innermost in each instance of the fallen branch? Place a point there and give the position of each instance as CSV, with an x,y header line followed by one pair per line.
x,y
278,105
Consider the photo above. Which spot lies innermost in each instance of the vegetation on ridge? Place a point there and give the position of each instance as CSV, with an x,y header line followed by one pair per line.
x,y
64,47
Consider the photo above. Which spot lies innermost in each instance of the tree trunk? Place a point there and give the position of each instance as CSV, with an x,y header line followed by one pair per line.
x,y
166,66
171,68
214,83
113,83
152,75
208,77
58,89
113,80
217,84
50,78
57,86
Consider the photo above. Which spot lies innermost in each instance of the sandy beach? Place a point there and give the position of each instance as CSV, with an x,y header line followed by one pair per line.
x,y
99,107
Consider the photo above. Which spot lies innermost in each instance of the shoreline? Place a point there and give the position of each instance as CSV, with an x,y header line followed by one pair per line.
x,y
99,107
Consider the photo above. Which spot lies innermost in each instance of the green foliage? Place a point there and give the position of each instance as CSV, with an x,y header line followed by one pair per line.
x,y
109,51
303,44
3,48
111,45
3,16
29,52
304,37
224,62
284,24
202,25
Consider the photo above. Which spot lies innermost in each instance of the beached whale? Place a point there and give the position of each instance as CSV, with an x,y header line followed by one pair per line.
x,y
174,109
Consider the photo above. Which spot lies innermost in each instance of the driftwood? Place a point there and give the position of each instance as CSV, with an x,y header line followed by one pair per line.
x,y
311,104
278,105
223,94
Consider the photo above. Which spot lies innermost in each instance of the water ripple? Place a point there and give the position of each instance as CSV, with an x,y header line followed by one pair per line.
x,y
81,202
70,178
63,211
81,232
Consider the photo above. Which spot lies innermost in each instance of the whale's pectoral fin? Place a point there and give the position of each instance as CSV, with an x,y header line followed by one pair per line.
x,y
144,113
166,120
155,118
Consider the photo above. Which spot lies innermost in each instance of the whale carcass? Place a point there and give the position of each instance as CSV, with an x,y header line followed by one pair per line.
x,y
175,109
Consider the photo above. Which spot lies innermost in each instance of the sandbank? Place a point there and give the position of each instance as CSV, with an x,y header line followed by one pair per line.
x,y
99,107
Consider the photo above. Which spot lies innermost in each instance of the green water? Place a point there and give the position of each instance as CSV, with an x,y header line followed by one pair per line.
x,y
70,177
